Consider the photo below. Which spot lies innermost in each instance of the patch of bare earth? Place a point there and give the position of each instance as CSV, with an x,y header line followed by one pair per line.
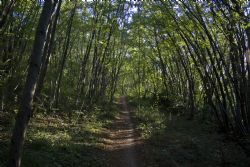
x,y
122,140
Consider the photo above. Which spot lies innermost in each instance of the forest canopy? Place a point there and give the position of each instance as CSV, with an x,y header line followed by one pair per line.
x,y
65,57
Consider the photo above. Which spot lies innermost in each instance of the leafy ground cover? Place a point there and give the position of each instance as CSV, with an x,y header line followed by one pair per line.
x,y
185,143
54,141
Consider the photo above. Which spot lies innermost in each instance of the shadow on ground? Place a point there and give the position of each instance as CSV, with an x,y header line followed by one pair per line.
x,y
53,142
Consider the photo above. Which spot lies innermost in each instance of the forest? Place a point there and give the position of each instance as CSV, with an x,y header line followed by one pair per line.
x,y
124,83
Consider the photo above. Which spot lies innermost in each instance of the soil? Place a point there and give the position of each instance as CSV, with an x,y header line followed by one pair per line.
x,y
122,139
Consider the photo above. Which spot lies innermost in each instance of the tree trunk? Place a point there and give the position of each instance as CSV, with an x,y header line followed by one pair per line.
x,y
64,56
23,116
48,53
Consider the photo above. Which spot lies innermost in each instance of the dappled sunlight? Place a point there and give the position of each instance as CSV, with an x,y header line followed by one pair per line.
x,y
124,83
122,139
52,138
122,135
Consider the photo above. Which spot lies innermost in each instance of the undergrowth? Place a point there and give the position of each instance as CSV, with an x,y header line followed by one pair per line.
x,y
54,140
150,121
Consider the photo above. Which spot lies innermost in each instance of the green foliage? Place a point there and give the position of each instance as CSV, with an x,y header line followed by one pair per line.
x,y
150,121
53,140
171,57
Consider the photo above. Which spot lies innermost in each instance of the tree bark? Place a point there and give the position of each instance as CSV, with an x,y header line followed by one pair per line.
x,y
48,53
23,116
64,56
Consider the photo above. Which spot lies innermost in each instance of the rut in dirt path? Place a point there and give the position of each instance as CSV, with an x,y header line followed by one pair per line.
x,y
122,139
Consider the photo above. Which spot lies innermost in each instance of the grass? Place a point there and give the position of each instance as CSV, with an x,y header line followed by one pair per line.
x,y
150,121
54,141
172,140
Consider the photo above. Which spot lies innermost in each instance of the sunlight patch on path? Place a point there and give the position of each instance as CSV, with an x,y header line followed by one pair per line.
x,y
121,139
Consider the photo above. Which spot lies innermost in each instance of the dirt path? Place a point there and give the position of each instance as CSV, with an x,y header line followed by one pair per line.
x,y
183,143
122,139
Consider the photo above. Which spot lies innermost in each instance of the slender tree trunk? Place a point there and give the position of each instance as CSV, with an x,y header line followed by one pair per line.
x,y
248,71
23,116
80,84
64,56
47,53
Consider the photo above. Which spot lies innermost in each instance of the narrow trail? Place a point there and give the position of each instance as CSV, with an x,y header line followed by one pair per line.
x,y
122,139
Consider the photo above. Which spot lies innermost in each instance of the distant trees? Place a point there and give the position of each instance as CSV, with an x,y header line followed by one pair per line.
x,y
200,49
194,53
71,45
